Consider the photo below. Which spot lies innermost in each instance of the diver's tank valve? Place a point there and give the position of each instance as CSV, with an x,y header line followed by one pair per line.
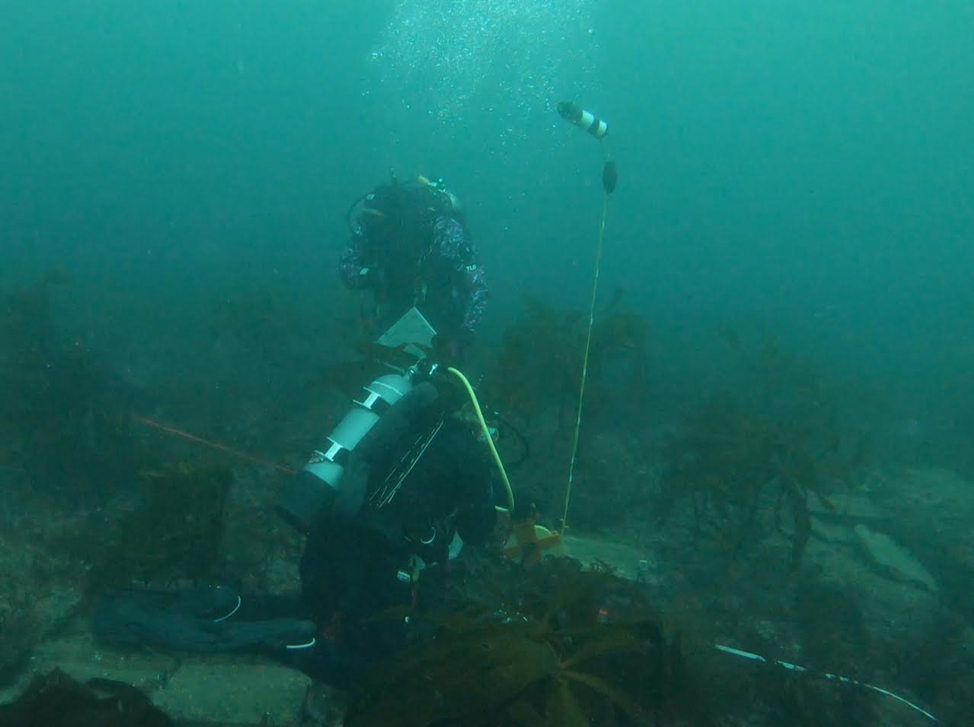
x,y
317,485
585,120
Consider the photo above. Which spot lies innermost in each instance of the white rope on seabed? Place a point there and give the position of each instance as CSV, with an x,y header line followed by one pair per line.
x,y
834,677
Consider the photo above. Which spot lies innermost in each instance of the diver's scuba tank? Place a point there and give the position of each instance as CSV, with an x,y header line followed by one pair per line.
x,y
585,120
319,489
332,484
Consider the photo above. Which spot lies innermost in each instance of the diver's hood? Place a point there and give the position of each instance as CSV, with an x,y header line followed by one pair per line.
x,y
400,205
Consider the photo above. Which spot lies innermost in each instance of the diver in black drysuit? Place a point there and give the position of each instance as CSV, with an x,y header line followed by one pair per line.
x,y
353,569
358,560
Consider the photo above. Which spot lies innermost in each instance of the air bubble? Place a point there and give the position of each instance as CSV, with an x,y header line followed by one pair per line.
x,y
504,59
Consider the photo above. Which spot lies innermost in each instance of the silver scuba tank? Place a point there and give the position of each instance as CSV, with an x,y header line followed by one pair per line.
x,y
319,486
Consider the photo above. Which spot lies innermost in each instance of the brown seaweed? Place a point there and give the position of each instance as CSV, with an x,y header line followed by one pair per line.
x,y
749,461
56,700
567,647
539,365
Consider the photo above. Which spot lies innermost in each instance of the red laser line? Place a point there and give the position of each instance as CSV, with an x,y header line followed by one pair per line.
x,y
213,445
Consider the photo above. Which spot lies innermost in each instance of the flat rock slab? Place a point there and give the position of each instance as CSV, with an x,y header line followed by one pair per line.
x,y
846,506
81,659
831,532
223,689
623,558
893,560
240,691
894,611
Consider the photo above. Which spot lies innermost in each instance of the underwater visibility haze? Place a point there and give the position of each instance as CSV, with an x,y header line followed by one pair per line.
x,y
774,452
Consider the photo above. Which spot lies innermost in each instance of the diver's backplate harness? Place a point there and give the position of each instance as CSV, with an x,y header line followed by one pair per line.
x,y
384,494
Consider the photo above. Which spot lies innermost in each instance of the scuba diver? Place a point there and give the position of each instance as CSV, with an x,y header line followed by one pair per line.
x,y
401,485
411,247
418,486
403,482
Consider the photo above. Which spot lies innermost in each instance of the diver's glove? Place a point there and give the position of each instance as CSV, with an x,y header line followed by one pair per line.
x,y
371,276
